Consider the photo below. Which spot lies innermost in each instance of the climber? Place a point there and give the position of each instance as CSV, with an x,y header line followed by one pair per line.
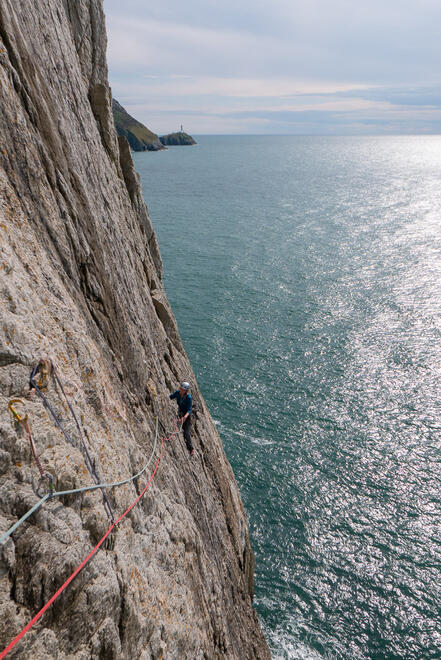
x,y
185,405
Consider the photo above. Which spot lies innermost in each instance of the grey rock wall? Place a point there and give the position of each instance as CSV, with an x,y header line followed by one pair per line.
x,y
81,284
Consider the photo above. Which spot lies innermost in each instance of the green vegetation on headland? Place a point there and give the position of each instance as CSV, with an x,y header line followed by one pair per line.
x,y
177,139
139,137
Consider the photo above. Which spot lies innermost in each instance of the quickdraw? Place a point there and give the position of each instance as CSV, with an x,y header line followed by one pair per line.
x,y
24,420
89,556
45,367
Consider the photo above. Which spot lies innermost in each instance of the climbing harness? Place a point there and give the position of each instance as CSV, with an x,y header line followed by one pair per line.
x,y
90,464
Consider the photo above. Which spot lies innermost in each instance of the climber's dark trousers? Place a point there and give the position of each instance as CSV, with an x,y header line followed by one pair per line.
x,y
186,427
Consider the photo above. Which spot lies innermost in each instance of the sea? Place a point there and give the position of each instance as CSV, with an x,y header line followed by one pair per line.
x,y
305,275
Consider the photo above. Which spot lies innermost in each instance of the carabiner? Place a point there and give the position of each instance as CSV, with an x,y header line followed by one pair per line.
x,y
18,417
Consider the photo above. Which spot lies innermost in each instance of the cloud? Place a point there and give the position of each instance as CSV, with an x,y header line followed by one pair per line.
x,y
361,43
151,47
320,115
402,96
376,61
180,85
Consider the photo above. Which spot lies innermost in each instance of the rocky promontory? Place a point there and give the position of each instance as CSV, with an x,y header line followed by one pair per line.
x,y
177,139
138,136
81,286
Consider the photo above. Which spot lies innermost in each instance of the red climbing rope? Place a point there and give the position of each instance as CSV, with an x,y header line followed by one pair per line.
x,y
83,564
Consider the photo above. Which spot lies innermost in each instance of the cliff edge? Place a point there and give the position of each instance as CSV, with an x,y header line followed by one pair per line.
x,y
81,285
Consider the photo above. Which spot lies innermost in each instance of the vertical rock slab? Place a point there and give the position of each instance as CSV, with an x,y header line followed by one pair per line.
x,y
81,284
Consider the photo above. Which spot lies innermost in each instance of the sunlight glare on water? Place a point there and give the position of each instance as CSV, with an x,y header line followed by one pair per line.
x,y
305,274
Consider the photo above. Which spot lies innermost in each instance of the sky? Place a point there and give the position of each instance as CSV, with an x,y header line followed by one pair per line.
x,y
309,67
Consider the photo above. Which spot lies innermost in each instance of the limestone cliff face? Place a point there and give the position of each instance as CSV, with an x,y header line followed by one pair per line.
x,y
80,283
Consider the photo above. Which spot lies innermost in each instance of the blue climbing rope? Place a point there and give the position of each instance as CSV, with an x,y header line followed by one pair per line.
x,y
87,458
60,493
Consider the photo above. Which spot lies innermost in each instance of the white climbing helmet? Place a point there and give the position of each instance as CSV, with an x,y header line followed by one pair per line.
x,y
184,385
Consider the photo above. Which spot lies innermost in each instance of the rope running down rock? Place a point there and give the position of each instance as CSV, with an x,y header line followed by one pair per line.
x,y
90,464
85,561
60,493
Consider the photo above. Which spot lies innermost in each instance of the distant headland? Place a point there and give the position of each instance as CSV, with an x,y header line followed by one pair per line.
x,y
177,139
139,137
